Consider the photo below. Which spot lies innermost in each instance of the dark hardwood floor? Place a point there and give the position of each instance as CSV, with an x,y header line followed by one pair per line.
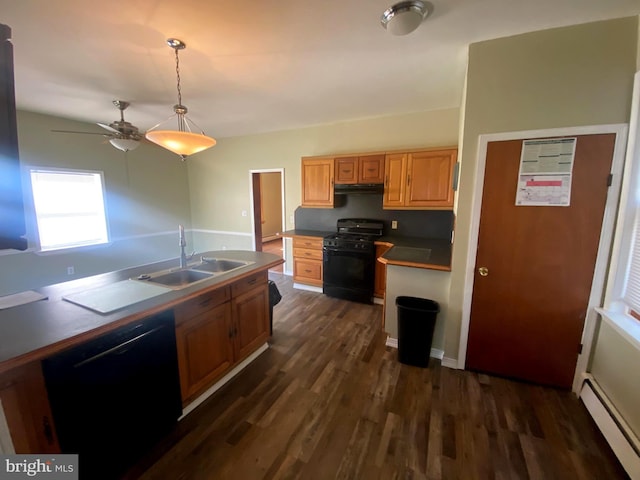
x,y
329,400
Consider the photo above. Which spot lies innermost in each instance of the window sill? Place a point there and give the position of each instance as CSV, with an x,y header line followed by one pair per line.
x,y
624,324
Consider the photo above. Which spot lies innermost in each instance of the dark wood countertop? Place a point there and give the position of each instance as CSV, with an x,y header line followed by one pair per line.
x,y
36,330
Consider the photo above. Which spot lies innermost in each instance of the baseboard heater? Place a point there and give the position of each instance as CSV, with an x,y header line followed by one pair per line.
x,y
624,443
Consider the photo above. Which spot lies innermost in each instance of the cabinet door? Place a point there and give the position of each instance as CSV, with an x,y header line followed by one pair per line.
x,y
347,170
430,179
395,173
251,320
371,169
205,351
317,182
26,409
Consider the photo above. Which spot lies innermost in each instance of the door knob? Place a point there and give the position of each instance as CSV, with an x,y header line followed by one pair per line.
x,y
483,271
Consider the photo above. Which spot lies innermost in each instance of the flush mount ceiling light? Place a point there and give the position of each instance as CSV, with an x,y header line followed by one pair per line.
x,y
184,141
404,17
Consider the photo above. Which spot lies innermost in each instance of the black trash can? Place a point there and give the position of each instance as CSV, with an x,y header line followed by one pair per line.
x,y
274,299
416,322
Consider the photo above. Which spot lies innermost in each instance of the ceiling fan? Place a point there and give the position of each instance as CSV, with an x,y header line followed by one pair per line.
x,y
122,134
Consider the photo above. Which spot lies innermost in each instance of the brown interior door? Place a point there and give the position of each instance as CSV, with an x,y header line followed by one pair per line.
x,y
529,305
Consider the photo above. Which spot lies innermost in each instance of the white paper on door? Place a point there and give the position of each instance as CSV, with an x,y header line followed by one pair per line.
x,y
546,169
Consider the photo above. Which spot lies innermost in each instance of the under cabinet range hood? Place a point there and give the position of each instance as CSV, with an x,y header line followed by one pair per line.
x,y
358,188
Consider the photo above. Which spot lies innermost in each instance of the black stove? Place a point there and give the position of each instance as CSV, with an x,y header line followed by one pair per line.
x,y
349,259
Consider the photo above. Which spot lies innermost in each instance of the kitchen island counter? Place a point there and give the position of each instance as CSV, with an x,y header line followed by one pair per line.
x,y
39,329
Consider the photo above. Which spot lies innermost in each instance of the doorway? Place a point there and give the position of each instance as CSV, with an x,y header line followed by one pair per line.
x,y
268,211
545,265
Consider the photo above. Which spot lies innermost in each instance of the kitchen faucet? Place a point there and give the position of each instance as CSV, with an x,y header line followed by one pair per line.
x,y
183,243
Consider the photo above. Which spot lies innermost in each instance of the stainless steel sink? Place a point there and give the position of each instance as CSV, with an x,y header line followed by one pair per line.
x,y
219,265
177,278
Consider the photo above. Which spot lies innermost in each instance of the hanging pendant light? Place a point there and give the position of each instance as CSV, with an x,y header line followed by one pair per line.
x,y
184,141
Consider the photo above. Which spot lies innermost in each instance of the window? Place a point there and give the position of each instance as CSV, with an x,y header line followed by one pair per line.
x,y
69,207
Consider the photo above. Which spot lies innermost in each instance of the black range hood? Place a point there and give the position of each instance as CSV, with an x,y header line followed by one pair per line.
x,y
358,188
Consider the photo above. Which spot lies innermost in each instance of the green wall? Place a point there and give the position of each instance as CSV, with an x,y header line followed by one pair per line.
x,y
147,195
563,77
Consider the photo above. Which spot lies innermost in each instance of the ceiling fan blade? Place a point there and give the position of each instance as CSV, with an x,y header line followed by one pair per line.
x,y
85,133
108,127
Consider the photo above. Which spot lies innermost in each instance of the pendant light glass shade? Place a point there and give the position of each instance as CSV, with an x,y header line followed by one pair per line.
x,y
183,141
125,144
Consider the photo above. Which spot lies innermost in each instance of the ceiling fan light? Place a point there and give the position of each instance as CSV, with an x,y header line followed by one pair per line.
x,y
180,143
404,17
125,144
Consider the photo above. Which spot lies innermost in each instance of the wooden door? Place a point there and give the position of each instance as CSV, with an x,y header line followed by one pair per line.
x,y
527,313
371,169
430,179
317,182
395,174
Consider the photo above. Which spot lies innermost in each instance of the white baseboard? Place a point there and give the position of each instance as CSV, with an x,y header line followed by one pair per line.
x,y
449,362
220,383
378,301
616,431
434,353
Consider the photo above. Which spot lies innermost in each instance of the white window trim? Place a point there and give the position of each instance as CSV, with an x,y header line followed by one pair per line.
x,y
614,308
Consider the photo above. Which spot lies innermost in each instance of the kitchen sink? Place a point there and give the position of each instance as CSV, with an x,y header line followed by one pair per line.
x,y
219,265
177,278
184,277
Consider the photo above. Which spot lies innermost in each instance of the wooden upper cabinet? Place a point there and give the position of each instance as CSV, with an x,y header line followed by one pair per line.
x,y
317,182
347,170
420,180
395,174
362,169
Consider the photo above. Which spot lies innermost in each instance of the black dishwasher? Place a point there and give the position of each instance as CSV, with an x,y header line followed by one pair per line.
x,y
115,396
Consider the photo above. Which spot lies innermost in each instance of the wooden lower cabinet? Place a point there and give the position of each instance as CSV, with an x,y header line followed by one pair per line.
x,y
251,329
307,260
205,351
218,329
26,409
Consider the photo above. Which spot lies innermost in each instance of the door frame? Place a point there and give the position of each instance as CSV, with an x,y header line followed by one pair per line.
x,y
604,247
251,202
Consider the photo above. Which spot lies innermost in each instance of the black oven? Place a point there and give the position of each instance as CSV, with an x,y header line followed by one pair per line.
x,y
348,260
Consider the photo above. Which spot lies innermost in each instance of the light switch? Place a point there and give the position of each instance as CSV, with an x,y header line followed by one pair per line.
x,y
394,224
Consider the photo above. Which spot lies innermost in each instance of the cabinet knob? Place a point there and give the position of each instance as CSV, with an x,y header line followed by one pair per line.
x,y
483,271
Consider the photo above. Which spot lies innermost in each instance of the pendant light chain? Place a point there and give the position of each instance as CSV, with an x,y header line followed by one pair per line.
x,y
178,77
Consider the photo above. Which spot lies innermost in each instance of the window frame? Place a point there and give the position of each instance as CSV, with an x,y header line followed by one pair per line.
x,y
71,171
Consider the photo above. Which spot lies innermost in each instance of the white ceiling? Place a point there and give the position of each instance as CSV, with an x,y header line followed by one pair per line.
x,y
255,66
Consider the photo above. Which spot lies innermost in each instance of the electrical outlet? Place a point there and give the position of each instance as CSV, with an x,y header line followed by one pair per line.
x,y
394,224
71,270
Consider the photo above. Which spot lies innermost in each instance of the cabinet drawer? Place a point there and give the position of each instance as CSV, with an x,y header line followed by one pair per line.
x,y
248,283
307,253
310,270
201,303
307,242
